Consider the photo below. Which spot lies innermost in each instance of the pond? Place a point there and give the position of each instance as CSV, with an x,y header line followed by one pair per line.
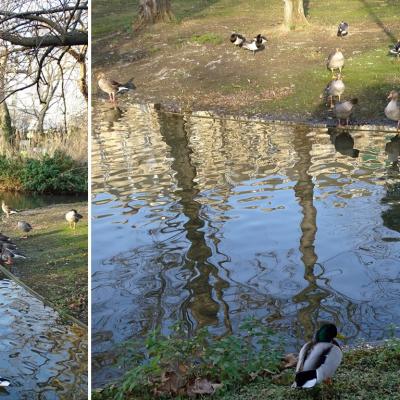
x,y
42,358
208,221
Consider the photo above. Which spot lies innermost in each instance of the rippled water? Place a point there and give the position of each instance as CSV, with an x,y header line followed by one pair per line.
x,y
209,221
43,358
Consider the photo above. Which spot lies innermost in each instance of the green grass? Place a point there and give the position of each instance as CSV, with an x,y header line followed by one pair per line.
x,y
210,38
365,374
56,264
370,75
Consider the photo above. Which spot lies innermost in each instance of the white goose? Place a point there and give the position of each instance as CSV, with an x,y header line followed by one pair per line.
x,y
392,110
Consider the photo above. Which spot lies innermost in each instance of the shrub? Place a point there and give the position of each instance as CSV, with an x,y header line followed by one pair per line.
x,y
56,174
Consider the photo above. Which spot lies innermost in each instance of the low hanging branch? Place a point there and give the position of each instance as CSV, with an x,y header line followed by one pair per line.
x,y
66,39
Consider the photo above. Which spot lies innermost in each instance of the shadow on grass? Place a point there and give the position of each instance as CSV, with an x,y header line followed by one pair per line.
x,y
378,21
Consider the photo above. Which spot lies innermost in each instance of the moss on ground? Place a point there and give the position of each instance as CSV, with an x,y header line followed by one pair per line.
x,y
57,257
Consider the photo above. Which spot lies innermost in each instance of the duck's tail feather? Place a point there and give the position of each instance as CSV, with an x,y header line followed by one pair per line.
x,y
305,379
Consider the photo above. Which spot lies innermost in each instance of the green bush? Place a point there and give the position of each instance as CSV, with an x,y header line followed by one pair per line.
x,y
57,174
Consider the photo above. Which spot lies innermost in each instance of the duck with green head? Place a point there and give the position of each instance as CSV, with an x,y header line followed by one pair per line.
x,y
318,359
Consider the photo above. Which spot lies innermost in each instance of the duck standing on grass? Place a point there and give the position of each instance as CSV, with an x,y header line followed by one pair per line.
x,y
112,87
343,29
335,88
24,227
237,39
318,359
396,49
344,109
392,110
335,61
257,44
73,218
4,382
7,209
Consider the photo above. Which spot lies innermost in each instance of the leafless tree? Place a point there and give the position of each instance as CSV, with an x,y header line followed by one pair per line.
x,y
42,32
294,14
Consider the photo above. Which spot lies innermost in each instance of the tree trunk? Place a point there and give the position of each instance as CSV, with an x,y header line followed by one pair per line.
x,y
152,11
6,130
294,14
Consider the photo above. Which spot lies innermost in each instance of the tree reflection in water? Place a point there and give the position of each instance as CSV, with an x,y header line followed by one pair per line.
x,y
208,221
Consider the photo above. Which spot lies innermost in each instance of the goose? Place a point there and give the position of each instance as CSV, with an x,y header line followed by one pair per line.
x,y
4,382
392,110
24,227
112,87
258,43
396,49
344,109
73,218
318,359
335,61
237,39
7,209
343,29
335,88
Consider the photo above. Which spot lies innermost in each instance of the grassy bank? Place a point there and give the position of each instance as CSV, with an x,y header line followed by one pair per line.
x,y
191,63
365,373
56,264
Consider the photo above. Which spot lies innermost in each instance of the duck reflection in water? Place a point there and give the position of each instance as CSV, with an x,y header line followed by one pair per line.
x,y
392,149
391,216
344,143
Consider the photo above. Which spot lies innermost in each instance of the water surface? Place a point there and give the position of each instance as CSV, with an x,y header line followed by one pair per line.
x,y
208,221
43,358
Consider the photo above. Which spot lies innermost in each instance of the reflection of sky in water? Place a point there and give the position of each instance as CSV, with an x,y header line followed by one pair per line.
x,y
208,221
42,358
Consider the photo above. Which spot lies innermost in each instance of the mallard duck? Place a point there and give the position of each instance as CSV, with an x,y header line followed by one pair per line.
x,y
24,227
73,218
112,87
6,209
318,359
237,39
335,88
335,61
392,110
344,109
258,43
4,382
396,49
343,29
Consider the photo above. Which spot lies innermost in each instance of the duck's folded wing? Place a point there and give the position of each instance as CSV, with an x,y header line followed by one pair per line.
x,y
325,358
